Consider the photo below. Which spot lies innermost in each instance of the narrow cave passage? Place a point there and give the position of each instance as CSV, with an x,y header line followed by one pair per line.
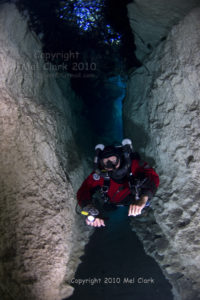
x,y
115,266
103,106
114,253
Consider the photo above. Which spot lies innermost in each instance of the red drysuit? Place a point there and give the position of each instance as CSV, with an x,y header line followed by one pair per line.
x,y
118,191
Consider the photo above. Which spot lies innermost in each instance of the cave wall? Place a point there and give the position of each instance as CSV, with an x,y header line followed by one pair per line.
x,y
161,115
41,239
151,21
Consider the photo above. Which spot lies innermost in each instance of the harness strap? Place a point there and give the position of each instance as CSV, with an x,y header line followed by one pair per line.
x,y
105,188
131,182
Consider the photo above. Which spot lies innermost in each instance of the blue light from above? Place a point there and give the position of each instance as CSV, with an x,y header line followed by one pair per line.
x,y
117,120
88,15
106,114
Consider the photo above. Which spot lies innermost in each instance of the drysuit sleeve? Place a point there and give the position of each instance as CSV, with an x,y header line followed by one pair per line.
x,y
144,172
88,187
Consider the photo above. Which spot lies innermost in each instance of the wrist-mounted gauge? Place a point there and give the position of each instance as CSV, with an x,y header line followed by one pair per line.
x,y
91,213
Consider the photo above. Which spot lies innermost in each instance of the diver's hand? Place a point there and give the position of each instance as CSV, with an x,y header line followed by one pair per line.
x,y
136,209
96,223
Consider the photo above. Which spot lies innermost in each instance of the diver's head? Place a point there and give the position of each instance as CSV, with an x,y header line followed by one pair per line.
x,y
110,158
111,163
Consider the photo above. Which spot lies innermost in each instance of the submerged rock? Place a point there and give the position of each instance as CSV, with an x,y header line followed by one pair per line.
x,y
41,239
151,21
161,115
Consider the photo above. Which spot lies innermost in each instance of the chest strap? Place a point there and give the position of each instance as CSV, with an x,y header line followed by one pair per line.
x,y
105,188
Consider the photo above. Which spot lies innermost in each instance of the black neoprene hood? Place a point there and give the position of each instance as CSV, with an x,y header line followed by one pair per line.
x,y
109,151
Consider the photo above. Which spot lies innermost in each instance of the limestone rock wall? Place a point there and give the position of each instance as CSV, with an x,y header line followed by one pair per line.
x,y
40,236
151,21
161,115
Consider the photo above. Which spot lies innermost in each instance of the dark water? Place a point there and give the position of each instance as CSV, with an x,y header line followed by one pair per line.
x,y
116,266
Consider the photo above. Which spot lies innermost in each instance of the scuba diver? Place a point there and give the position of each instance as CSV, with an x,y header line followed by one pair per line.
x,y
119,178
